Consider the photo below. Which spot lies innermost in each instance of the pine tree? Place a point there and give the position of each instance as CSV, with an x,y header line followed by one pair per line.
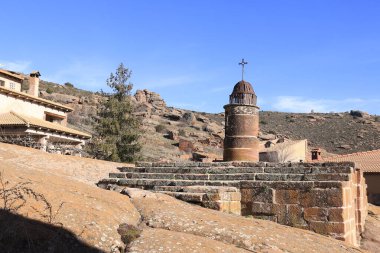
x,y
117,130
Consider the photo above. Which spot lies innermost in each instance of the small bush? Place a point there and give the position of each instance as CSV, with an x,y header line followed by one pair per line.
x,y
49,90
263,122
161,128
69,85
182,132
128,233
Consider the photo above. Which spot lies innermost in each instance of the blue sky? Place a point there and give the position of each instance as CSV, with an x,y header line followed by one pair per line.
x,y
322,55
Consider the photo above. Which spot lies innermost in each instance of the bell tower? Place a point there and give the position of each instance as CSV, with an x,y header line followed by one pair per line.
x,y
241,123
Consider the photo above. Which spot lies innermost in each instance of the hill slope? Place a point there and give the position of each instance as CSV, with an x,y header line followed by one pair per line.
x,y
339,133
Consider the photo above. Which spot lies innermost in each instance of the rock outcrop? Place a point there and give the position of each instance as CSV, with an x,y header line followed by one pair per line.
x,y
334,132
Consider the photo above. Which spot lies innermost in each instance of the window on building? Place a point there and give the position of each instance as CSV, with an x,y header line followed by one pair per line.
x,y
54,118
2,83
12,86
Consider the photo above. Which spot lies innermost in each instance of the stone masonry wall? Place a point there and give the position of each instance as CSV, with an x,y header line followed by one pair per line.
x,y
335,208
327,198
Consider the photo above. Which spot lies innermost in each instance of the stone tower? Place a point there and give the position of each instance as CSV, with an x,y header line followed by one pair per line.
x,y
241,125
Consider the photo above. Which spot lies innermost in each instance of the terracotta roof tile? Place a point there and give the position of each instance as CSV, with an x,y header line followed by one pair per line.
x,y
9,73
369,161
15,119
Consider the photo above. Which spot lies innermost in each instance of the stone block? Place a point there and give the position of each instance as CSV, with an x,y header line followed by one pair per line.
x,y
230,196
316,214
117,175
328,228
246,195
248,164
271,177
287,197
279,211
109,181
327,177
190,177
294,216
332,169
263,208
211,205
295,177
246,208
329,184
321,198
266,217
287,170
338,214
235,207
300,185
252,184
262,194
348,199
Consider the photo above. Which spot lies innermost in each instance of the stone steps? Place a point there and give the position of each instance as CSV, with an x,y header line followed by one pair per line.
x,y
226,199
283,169
232,177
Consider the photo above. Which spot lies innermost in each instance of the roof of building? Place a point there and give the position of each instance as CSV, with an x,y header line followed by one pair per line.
x,y
12,74
369,161
15,119
243,87
34,99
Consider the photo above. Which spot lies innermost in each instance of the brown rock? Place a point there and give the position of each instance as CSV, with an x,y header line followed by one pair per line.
x,y
155,239
186,145
266,137
165,212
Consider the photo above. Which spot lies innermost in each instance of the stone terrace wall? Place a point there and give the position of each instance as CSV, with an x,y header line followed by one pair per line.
x,y
328,198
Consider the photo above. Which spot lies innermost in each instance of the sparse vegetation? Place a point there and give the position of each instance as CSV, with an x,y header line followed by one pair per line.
x,y
128,233
22,234
14,197
182,132
161,128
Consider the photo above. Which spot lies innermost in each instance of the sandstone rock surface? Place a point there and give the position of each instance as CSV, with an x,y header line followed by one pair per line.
x,y
371,235
161,240
87,211
164,212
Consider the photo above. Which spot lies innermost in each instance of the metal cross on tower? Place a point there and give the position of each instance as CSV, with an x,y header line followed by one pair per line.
x,y
242,63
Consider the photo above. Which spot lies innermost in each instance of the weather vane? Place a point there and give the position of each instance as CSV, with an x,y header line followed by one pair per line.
x,y
242,63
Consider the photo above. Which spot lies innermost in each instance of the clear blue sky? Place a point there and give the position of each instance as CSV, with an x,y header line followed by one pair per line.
x,y
322,55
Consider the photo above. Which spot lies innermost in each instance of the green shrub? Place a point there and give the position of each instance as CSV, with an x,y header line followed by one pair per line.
x,y
128,233
182,132
49,90
69,85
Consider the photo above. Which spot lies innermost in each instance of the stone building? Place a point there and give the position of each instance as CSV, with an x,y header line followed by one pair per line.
x,y
25,117
369,162
241,125
288,151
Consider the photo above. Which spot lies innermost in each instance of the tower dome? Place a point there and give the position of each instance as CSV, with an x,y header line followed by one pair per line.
x,y
243,94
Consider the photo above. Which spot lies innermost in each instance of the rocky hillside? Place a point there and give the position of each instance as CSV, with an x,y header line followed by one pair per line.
x,y
63,211
176,134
